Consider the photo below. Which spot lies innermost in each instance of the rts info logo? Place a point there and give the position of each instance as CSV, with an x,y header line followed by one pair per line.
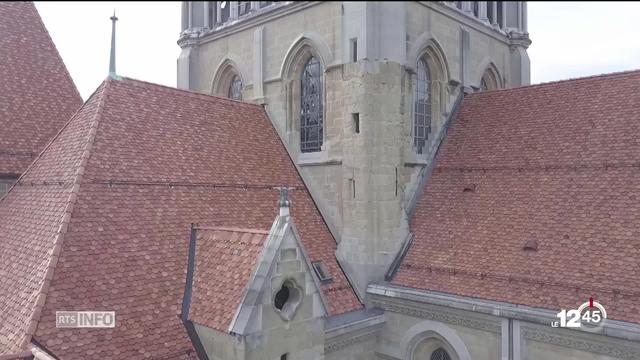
x,y
85,319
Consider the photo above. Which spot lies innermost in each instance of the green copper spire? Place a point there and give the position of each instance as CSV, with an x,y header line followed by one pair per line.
x,y
112,60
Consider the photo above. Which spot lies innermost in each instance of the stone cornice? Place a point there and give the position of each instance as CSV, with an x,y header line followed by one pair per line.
x,y
612,328
462,18
574,342
258,18
352,332
382,356
431,313
342,342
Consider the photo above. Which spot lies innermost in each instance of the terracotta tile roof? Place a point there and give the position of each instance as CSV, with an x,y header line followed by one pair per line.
x,y
33,219
37,95
146,161
218,288
557,164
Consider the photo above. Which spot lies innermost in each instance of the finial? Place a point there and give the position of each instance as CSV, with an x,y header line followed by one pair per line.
x,y
284,200
112,59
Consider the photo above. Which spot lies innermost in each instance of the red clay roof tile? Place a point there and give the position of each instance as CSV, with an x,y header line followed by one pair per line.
x,y
556,163
160,159
37,95
225,259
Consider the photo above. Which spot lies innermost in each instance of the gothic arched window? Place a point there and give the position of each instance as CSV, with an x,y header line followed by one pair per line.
x,y
235,88
440,354
422,107
490,79
311,117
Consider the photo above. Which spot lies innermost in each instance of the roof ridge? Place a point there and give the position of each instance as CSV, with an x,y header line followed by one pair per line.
x,y
64,66
66,218
53,139
189,92
561,81
233,229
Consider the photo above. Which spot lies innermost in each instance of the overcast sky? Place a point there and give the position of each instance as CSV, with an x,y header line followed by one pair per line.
x,y
569,39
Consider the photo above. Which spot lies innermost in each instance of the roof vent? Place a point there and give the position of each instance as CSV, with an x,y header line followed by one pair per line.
x,y
530,245
321,271
469,188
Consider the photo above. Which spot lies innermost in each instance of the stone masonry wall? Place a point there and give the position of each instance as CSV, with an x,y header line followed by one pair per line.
x,y
362,182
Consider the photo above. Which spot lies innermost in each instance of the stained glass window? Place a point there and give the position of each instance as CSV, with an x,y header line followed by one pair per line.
x,y
235,88
440,354
483,84
422,110
311,117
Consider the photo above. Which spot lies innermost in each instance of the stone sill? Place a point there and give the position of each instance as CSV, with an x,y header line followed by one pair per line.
x,y
318,159
413,159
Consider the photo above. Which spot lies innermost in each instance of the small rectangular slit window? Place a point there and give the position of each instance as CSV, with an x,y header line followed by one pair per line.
x,y
354,49
356,122
321,271
284,356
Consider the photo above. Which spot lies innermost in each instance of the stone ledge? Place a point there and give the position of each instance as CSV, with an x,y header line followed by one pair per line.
x,y
575,342
420,311
317,159
394,294
351,328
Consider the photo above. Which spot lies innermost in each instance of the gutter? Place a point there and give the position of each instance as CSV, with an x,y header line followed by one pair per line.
x,y
191,264
186,300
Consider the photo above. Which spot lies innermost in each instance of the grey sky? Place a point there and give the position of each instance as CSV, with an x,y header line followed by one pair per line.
x,y
570,39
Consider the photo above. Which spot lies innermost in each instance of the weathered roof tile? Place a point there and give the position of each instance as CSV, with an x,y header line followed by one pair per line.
x,y
159,160
37,95
556,163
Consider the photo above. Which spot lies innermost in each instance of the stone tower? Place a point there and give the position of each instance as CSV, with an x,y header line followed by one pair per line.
x,y
360,92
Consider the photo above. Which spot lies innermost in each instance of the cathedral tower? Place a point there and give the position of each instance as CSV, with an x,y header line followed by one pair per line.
x,y
360,93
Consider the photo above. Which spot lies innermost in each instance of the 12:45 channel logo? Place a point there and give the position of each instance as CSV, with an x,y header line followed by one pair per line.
x,y
590,316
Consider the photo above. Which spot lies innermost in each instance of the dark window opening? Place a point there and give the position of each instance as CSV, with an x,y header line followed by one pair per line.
x,y
212,13
284,357
490,5
321,271
500,14
356,122
354,49
244,7
225,11
281,297
440,354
